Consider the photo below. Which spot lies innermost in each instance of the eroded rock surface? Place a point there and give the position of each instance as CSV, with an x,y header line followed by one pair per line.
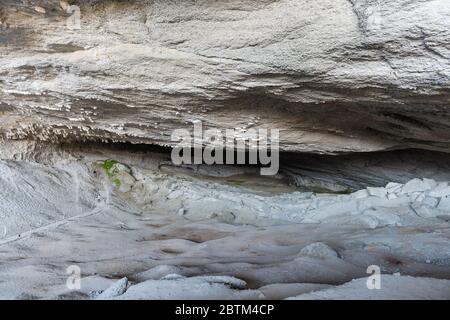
x,y
333,76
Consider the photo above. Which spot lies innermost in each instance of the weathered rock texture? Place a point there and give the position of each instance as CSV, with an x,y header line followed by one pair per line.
x,y
333,75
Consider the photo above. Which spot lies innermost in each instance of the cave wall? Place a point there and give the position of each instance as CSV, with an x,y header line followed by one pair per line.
x,y
335,76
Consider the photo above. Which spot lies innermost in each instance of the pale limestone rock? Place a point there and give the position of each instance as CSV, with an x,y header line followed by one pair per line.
x,y
318,250
392,196
359,221
431,202
418,196
121,177
64,5
360,194
442,190
444,204
116,289
416,185
120,167
424,211
191,288
39,9
430,182
393,187
385,216
125,181
377,192
157,273
396,287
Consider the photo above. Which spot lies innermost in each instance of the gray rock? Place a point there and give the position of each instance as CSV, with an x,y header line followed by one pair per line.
x,y
417,185
125,181
393,187
384,216
392,196
424,211
431,202
444,204
377,192
318,250
442,190
157,273
360,194
418,196
120,167
116,289
445,217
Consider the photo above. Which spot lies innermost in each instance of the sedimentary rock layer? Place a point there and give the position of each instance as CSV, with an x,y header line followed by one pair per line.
x,y
333,75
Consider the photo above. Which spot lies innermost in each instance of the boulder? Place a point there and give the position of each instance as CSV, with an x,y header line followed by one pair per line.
x,y
442,190
360,194
393,187
385,216
424,211
444,204
377,192
418,185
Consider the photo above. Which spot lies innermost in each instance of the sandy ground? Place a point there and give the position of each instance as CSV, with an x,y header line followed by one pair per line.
x,y
180,242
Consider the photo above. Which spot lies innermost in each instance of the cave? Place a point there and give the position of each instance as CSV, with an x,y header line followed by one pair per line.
x,y
119,180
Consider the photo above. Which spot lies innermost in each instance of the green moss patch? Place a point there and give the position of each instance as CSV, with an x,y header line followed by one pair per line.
x,y
107,165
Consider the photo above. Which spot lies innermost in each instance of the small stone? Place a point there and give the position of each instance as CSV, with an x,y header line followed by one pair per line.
x,y
318,250
125,181
172,276
94,294
116,289
119,167
39,9
64,5
377,192
157,273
